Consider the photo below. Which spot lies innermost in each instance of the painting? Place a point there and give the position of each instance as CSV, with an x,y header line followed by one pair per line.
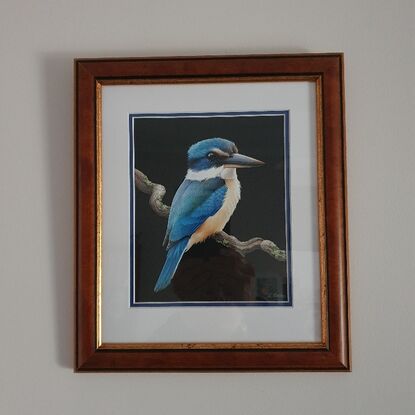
x,y
211,217
203,160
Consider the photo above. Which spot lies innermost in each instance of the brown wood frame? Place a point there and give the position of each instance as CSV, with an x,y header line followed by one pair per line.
x,y
332,353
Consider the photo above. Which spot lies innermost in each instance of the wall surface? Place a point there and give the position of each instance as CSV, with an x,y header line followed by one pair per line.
x,y
38,41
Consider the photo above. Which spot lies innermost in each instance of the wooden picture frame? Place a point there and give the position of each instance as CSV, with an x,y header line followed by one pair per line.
x,y
332,351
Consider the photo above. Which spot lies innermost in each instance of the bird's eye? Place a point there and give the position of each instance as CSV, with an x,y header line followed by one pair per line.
x,y
211,156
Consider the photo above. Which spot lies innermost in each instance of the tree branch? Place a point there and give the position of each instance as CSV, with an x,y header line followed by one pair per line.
x,y
157,192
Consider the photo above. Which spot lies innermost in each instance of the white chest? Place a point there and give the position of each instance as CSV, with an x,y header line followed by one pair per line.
x,y
232,197
217,222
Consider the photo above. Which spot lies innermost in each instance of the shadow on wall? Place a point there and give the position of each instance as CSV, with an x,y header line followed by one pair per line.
x,y
57,86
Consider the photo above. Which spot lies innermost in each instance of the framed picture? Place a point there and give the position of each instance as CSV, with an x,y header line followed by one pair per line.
x,y
211,214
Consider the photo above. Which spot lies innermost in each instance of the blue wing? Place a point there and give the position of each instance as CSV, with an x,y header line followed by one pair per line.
x,y
174,255
192,204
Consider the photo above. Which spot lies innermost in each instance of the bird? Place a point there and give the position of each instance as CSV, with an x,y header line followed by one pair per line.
x,y
205,200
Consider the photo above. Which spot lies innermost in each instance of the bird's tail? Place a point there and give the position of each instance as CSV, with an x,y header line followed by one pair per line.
x,y
174,255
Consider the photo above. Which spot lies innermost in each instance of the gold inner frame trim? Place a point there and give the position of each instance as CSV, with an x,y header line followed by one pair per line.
x,y
208,346
98,135
323,344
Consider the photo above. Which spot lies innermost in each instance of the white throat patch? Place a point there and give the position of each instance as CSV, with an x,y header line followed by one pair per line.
x,y
222,172
229,173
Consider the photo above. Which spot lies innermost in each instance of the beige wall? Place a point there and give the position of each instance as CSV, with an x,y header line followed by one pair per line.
x,y
39,39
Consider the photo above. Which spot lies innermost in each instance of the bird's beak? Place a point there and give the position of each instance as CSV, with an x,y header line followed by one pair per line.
x,y
241,161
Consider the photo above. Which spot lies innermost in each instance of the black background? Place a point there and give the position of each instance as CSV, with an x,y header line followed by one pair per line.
x,y
160,151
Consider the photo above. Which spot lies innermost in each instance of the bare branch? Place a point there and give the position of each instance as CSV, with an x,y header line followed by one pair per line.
x,y
157,192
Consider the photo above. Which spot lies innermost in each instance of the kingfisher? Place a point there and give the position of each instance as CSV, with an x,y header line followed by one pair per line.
x,y
204,202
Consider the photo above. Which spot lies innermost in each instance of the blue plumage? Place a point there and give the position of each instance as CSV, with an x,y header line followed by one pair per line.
x,y
174,255
212,163
193,203
197,154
